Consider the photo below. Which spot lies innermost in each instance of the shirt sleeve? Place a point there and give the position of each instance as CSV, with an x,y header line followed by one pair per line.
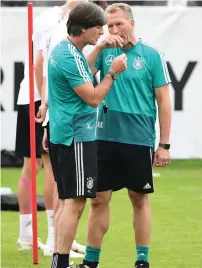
x,y
43,43
38,35
75,71
40,41
160,72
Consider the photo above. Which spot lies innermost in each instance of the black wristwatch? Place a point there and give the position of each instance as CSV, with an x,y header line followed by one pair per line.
x,y
165,145
113,75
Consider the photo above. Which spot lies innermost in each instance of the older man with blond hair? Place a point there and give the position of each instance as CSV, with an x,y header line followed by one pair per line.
x,y
126,132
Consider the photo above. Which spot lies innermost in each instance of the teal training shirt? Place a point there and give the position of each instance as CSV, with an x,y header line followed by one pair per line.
x,y
131,101
70,117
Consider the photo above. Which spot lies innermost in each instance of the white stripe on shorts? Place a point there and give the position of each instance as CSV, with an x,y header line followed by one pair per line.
x,y
151,156
55,261
75,153
82,169
78,150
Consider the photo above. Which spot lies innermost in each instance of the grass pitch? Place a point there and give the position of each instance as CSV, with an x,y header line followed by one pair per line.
x,y
177,223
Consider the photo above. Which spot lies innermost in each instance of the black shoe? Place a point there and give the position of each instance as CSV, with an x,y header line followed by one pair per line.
x,y
141,264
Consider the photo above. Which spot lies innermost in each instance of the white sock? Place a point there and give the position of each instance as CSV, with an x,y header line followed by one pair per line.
x,y
49,214
26,227
50,239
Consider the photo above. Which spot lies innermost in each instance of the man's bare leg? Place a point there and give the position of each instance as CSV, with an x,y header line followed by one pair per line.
x,y
98,224
142,224
66,228
25,206
49,190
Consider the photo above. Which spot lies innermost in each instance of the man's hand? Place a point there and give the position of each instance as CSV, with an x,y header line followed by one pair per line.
x,y
161,157
119,64
41,115
45,141
110,41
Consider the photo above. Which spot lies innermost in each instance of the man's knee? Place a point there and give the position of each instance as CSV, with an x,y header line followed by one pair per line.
x,y
76,206
138,200
58,212
27,165
56,202
101,201
46,160
99,213
38,164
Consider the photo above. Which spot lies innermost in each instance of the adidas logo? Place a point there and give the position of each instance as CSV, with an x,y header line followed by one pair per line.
x,y
147,186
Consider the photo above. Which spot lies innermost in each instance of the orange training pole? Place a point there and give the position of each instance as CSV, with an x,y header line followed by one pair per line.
x,y
32,134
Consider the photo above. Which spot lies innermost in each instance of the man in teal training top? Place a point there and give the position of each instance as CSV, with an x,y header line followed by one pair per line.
x,y
72,100
126,132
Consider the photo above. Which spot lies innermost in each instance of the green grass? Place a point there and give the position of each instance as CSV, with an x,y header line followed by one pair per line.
x,y
177,223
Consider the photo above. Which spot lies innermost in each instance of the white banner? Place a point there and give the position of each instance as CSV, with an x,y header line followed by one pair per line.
x,y
175,31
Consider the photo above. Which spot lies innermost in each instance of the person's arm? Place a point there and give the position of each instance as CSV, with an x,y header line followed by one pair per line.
x,y
41,40
164,112
40,75
161,81
38,68
81,83
92,57
94,96
105,42
41,115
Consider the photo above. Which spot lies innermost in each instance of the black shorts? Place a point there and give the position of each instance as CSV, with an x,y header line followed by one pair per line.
x,y
48,135
22,144
75,169
123,165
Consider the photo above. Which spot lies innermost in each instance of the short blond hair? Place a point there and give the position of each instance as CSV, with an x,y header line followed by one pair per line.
x,y
126,9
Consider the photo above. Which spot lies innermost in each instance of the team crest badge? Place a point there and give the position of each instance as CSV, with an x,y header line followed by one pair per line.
x,y
138,63
90,183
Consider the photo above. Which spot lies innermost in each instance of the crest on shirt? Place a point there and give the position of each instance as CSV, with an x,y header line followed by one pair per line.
x,y
138,63
109,59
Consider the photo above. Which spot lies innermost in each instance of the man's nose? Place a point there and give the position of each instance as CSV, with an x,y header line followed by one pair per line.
x,y
115,29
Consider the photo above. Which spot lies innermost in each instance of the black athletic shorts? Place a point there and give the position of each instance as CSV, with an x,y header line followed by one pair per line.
x,y
48,135
22,144
75,169
123,165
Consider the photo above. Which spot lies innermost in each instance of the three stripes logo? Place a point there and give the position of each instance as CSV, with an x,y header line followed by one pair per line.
x,y
78,150
54,262
147,186
82,182
79,63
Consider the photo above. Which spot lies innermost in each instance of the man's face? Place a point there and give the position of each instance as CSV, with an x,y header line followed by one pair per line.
x,y
119,23
92,35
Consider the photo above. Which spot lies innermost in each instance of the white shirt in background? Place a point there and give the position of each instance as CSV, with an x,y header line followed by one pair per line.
x,y
42,25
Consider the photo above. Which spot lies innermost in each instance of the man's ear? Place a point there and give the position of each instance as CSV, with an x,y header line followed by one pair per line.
x,y
133,23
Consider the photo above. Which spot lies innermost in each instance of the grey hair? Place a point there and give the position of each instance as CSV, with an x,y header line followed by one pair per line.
x,y
126,8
